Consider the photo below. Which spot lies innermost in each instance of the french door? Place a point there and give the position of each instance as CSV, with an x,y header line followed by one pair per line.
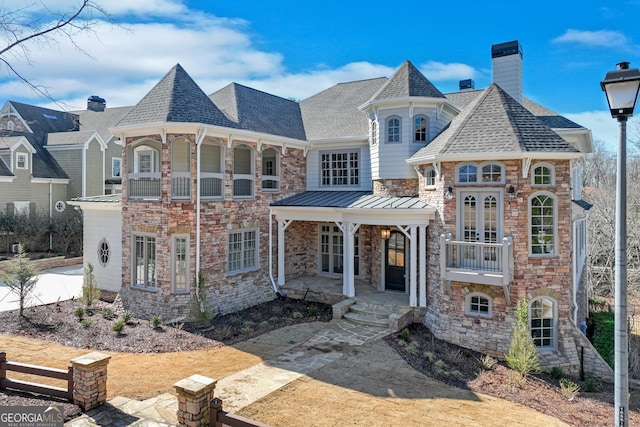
x,y
480,222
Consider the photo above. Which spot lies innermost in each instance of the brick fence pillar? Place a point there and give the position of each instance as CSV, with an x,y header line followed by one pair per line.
x,y
90,380
194,394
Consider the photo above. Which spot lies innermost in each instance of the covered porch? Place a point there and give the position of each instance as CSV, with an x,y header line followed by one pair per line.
x,y
406,219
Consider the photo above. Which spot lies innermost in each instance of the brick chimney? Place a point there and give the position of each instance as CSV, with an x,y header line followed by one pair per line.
x,y
507,68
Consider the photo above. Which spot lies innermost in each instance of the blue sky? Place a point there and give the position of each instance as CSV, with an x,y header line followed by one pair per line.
x,y
294,50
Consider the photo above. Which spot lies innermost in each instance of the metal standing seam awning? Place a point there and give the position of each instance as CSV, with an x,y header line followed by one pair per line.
x,y
349,210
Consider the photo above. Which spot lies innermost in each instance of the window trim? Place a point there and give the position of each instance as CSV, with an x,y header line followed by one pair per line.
x,y
552,175
554,327
142,149
375,132
256,248
134,277
25,161
554,241
187,255
104,252
479,166
276,176
468,304
350,175
387,128
426,129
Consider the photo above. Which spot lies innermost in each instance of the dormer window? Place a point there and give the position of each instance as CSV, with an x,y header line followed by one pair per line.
x,y
393,129
22,161
421,129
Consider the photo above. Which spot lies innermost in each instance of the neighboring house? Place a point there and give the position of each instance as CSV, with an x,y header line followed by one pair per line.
x,y
466,203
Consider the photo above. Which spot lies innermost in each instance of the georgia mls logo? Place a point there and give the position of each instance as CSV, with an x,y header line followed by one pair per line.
x,y
31,416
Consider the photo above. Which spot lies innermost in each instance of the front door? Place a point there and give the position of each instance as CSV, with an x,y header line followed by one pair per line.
x,y
395,262
480,223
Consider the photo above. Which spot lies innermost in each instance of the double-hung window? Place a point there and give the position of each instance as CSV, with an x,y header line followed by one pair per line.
x,y
340,169
242,250
144,256
22,161
393,129
420,129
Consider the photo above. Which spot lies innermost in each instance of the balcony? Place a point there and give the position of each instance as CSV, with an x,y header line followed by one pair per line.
x,y
143,186
180,185
476,262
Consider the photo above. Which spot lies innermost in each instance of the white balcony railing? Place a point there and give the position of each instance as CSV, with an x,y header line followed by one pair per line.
x,y
180,185
143,185
476,262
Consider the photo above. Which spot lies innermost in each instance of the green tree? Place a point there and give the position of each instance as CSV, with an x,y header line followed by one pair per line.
x,y
21,277
90,291
523,353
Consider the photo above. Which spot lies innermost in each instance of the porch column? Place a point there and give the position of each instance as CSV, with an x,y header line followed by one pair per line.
x,y
424,259
281,228
413,270
348,278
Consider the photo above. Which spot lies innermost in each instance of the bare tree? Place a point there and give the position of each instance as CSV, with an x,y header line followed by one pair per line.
x,y
22,26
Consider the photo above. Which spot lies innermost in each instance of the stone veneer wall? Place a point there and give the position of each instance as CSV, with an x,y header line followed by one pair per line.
x,y
164,218
395,187
550,276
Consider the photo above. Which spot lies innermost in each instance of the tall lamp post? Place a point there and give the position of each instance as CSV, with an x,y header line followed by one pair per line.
x,y
621,87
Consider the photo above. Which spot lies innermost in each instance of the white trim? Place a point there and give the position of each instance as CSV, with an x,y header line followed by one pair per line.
x,y
467,305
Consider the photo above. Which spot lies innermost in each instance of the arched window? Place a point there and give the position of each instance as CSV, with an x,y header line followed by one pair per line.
x,y
543,224
543,175
478,304
430,176
542,322
480,173
11,125
420,129
393,129
374,132
146,159
270,170
243,171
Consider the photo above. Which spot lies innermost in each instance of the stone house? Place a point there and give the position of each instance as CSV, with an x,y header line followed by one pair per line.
x,y
461,204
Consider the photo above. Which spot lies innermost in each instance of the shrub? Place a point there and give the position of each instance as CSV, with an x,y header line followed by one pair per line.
x,y
200,312
523,354
592,385
155,321
263,324
127,316
487,362
274,319
412,348
569,389
297,315
86,323
118,326
557,373
107,313
405,334
90,291
79,313
313,311
246,330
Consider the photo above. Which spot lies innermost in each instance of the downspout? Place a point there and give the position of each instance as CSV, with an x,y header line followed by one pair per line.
x,y
50,213
273,282
199,140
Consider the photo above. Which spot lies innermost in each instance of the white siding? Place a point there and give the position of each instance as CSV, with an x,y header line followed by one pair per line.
x,y
98,225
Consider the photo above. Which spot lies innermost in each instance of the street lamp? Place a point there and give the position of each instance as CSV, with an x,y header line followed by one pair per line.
x,y
621,87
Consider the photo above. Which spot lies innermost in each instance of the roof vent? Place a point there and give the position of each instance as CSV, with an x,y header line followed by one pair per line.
x,y
95,103
467,84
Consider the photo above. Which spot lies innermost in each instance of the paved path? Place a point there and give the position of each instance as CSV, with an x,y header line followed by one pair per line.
x,y
61,283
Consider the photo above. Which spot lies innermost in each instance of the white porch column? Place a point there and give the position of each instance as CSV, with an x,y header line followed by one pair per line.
x,y
281,227
424,260
413,270
348,277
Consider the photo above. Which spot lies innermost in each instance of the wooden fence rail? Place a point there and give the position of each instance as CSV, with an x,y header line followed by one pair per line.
x,y
42,371
220,418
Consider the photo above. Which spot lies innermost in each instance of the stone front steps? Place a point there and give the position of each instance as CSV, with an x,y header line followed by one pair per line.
x,y
376,315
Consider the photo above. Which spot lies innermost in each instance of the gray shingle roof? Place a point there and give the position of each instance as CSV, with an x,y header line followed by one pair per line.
x,y
176,98
350,199
254,110
334,112
407,81
45,120
493,122
68,138
101,121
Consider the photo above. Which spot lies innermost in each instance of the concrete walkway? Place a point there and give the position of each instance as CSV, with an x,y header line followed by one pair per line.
x,y
61,283
313,347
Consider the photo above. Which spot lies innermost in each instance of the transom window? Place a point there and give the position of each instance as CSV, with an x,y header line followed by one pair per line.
x,y
22,161
331,243
393,129
542,322
430,176
478,304
242,250
543,224
543,175
421,129
144,255
483,173
340,169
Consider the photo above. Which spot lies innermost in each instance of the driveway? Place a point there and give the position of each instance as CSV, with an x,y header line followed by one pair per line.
x,y
60,283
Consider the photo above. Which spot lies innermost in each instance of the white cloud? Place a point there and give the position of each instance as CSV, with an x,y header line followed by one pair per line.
x,y
602,38
603,126
438,71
